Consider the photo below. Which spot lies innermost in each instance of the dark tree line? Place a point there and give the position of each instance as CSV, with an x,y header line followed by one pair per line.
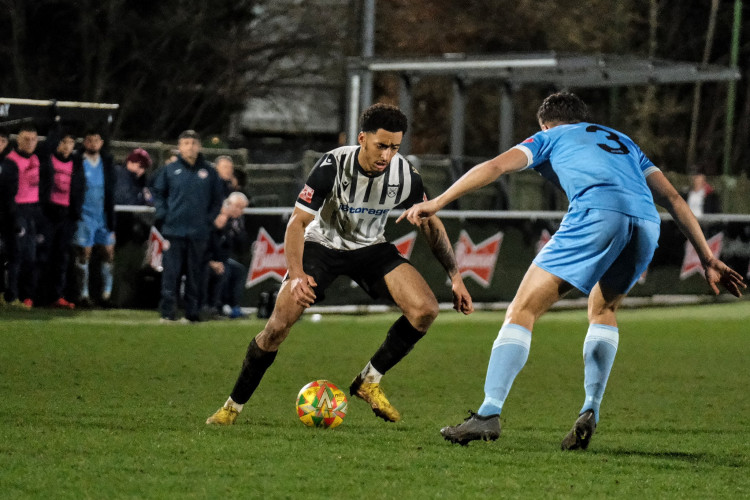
x,y
659,117
170,64
173,64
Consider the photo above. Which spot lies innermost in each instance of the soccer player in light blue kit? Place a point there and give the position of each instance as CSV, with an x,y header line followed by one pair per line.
x,y
604,243
97,224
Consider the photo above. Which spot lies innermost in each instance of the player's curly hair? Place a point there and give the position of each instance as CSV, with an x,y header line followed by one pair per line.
x,y
385,116
564,107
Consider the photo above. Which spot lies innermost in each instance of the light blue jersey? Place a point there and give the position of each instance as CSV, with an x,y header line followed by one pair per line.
x,y
93,202
596,166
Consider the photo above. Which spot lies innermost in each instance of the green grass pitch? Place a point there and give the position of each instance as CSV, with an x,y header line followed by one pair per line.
x,y
111,404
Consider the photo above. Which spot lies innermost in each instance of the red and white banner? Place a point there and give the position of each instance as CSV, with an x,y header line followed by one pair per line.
x,y
405,244
478,261
691,264
157,245
268,260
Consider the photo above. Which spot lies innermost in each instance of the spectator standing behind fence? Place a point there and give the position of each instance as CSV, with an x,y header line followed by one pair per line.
x,y
131,187
61,189
225,276
8,189
225,168
701,198
97,224
187,197
22,261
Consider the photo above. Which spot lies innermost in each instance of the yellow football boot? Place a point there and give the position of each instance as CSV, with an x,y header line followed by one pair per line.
x,y
226,415
373,395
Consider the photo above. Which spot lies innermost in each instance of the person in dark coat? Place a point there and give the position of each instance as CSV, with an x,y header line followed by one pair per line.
x,y
225,276
131,187
188,194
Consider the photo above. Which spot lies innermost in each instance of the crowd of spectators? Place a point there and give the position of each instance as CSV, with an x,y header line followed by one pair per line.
x,y
57,202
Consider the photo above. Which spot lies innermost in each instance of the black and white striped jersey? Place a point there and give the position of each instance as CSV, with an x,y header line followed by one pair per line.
x,y
350,206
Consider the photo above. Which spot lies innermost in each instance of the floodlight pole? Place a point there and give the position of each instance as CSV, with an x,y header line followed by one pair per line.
x,y
732,89
352,119
368,50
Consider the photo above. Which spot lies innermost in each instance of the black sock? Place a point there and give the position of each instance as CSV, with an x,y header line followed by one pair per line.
x,y
254,367
399,341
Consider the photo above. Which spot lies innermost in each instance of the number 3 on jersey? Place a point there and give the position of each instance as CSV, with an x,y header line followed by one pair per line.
x,y
611,136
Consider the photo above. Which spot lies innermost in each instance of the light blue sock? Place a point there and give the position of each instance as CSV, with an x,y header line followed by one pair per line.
x,y
509,353
106,280
83,269
599,351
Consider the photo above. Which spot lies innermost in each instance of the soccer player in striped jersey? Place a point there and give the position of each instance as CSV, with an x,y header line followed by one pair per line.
x,y
337,228
604,244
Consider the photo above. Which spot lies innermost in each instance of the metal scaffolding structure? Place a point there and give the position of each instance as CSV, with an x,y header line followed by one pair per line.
x,y
514,71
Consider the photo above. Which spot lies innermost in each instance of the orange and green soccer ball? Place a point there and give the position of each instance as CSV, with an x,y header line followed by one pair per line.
x,y
321,404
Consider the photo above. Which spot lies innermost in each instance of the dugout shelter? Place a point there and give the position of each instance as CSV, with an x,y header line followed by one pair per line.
x,y
74,116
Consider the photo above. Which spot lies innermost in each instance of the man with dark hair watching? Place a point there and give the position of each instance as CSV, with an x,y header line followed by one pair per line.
x,y
97,225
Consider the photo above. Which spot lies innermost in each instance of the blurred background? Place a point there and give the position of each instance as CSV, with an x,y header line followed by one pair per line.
x,y
275,83
273,76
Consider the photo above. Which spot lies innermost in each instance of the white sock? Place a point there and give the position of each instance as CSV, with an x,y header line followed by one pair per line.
x,y
370,375
231,404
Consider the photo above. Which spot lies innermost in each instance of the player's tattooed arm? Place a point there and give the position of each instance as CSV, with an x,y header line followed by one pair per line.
x,y
440,244
437,238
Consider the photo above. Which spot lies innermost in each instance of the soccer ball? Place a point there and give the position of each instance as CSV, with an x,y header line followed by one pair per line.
x,y
321,404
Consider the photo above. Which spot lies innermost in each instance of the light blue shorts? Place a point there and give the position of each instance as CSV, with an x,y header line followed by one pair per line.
x,y
594,245
91,232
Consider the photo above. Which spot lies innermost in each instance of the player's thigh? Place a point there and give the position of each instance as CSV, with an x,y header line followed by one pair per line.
x,y
538,291
323,264
585,246
411,293
634,258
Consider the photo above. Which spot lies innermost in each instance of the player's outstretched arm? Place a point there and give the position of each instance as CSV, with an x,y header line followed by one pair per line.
x,y
479,176
440,245
716,272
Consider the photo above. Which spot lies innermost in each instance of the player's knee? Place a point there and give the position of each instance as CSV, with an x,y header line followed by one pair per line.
x,y
519,315
423,314
273,334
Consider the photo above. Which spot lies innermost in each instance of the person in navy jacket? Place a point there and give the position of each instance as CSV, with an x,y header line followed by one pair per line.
x,y
188,194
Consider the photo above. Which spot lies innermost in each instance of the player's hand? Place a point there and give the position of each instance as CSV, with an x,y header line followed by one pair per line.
x,y
420,211
302,290
716,272
461,299
216,266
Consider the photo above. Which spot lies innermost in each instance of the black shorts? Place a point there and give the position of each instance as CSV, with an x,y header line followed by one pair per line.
x,y
366,266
